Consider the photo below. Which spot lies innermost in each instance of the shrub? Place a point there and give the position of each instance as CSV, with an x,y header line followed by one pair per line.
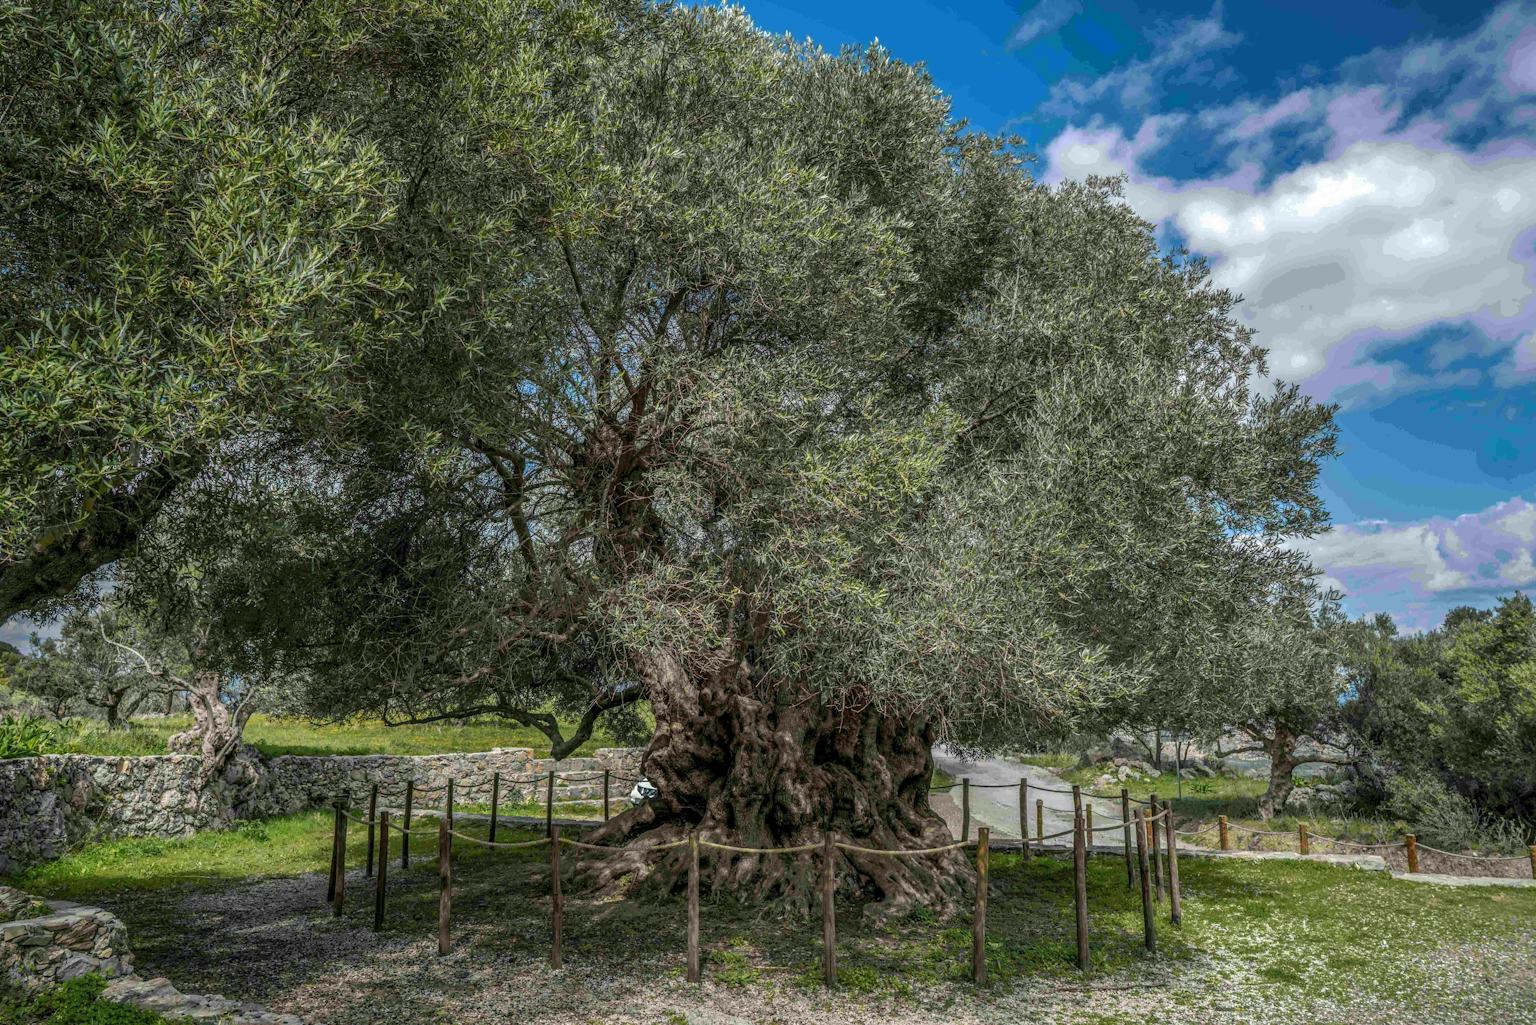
x,y
25,737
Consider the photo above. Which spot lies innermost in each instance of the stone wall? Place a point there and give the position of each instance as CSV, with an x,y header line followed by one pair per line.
x,y
46,942
53,803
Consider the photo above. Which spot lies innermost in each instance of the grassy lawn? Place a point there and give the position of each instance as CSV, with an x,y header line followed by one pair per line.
x,y
1237,797
284,736
1301,937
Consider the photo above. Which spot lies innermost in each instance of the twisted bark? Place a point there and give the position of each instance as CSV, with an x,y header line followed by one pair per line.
x,y
751,771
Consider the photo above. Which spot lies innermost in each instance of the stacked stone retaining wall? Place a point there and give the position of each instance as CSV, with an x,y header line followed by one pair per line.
x,y
51,804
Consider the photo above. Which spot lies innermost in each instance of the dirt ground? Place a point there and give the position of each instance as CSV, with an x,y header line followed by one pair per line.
x,y
274,941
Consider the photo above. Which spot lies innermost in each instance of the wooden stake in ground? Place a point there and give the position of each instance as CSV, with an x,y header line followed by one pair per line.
x,y
1024,816
405,825
373,825
693,907
1080,885
965,809
1148,923
605,795
1533,861
556,898
330,881
1175,908
382,878
1226,841
495,802
341,856
445,884
828,910
1125,817
448,805
1412,843
1157,868
1303,839
1088,821
979,914
1077,801
1040,818
549,805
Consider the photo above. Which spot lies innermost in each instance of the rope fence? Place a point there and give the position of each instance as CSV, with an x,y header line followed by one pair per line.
x,y
380,828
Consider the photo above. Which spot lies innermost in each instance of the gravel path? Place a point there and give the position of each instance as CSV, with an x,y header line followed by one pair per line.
x,y
995,798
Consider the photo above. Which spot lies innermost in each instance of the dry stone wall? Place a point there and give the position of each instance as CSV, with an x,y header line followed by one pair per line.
x,y
51,804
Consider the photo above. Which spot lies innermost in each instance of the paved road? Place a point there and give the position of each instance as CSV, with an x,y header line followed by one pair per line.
x,y
997,806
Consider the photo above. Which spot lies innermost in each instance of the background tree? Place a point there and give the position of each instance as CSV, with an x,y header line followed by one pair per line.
x,y
85,671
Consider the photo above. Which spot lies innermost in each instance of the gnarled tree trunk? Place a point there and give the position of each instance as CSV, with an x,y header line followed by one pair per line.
x,y
750,770
217,730
1281,749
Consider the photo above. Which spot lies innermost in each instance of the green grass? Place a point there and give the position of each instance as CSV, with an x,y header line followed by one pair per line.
x,y
77,1002
1237,797
1047,760
290,736
290,845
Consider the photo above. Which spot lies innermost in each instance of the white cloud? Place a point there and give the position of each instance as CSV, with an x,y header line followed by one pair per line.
x,y
1043,19
1383,230
1181,52
1475,557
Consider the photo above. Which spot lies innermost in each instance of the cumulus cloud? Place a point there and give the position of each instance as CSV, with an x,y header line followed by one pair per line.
x,y
1043,19
1183,51
1466,560
1388,229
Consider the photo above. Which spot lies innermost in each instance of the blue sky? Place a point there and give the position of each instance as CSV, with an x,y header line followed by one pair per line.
x,y
1363,173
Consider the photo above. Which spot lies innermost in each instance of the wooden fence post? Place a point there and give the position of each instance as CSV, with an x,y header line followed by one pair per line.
x,y
448,805
1303,839
693,906
1080,885
828,910
1175,905
1125,817
405,824
1040,818
1148,923
1077,802
965,809
341,855
605,795
330,882
1024,816
1412,843
495,802
445,884
1152,845
373,825
1088,822
556,898
380,879
979,914
1226,841
1533,861
549,805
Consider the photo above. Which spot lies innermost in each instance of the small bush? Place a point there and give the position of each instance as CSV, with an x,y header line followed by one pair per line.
x,y
24,737
77,1002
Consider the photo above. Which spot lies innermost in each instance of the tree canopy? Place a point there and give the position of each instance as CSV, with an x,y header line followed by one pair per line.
x,y
659,357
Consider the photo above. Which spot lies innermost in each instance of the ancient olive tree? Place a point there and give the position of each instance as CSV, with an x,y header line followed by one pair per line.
x,y
741,379
737,376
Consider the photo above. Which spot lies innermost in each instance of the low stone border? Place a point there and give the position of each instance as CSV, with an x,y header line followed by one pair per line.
x,y
47,942
1440,879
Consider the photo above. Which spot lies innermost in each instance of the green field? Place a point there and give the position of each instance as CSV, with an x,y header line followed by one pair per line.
x,y
293,736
